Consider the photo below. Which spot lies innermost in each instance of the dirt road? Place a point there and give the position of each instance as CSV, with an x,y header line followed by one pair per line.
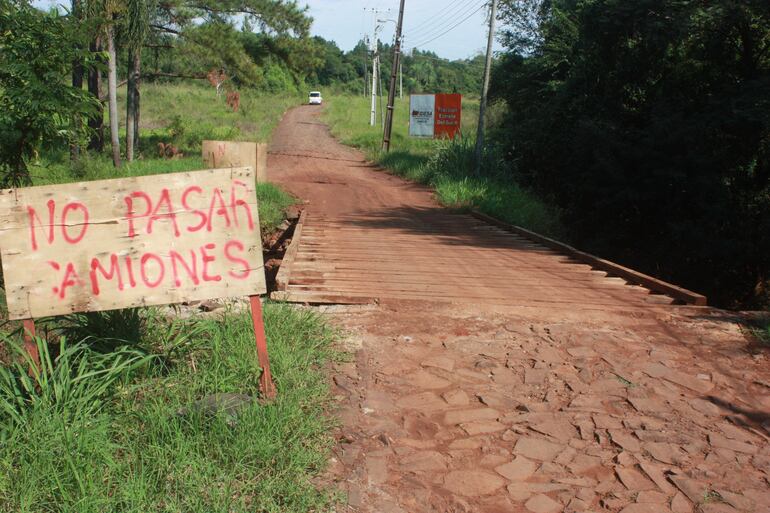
x,y
543,387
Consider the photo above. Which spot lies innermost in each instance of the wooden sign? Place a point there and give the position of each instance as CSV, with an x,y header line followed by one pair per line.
x,y
130,242
223,154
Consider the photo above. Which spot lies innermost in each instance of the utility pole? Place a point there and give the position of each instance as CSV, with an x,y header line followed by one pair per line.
x,y
375,48
366,66
401,75
485,87
393,75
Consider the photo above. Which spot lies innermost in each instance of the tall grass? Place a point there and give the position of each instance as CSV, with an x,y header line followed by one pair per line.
x,y
446,166
183,114
109,422
102,440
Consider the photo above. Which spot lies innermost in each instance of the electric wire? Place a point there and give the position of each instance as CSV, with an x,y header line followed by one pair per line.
x,y
429,20
443,24
469,16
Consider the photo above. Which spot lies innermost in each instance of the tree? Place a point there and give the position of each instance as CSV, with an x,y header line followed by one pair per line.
x,y
136,28
112,85
648,122
206,38
37,107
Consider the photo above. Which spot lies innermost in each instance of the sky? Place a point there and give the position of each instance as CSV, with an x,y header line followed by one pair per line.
x,y
425,21
453,29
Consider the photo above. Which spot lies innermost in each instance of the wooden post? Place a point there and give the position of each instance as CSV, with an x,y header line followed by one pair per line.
x,y
261,169
224,154
30,345
266,385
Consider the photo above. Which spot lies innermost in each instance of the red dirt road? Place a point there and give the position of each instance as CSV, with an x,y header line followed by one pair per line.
x,y
544,387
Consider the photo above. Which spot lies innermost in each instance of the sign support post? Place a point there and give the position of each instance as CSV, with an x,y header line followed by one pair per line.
x,y
266,385
30,346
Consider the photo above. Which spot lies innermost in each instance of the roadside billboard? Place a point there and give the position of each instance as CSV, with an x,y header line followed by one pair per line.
x,y
448,115
435,115
422,108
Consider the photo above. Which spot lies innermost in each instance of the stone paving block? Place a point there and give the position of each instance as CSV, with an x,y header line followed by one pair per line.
x,y
657,370
734,445
645,508
424,461
472,483
477,414
482,427
625,440
426,380
517,470
537,449
655,473
737,500
634,480
694,490
456,398
425,401
541,503
680,504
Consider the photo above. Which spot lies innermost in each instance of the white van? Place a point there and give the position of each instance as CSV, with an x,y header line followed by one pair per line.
x,y
315,98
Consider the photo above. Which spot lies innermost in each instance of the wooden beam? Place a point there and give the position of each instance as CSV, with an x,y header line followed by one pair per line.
x,y
282,278
630,275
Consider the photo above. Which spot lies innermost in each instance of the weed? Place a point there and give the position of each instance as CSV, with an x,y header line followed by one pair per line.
x,y
121,444
762,333
625,382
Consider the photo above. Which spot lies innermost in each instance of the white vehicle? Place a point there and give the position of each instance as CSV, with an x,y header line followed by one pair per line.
x,y
315,98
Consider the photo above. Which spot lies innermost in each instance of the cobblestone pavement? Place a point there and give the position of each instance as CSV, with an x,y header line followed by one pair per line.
x,y
455,409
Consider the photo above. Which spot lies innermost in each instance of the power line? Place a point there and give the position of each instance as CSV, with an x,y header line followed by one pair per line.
x,y
433,18
443,24
423,43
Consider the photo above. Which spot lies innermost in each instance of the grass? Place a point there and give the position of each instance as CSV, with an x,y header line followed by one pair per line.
x,y
109,423
130,449
168,116
187,113
444,165
763,333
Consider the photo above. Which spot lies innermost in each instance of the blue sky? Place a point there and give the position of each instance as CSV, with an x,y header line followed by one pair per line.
x,y
345,21
425,21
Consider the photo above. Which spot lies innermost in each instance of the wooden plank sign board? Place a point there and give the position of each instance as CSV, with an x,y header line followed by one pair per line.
x,y
139,241
224,154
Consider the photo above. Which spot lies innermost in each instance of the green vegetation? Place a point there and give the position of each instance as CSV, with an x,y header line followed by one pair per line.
x,y
110,422
119,430
763,333
445,166
35,105
648,124
186,113
167,118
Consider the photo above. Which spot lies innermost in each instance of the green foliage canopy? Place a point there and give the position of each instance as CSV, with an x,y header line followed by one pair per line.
x,y
648,122
36,105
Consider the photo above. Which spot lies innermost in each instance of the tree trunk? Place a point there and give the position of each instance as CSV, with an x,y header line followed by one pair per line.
x,y
112,90
137,97
137,106
77,83
96,122
130,105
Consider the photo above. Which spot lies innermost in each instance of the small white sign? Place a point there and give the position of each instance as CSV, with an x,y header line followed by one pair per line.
x,y
422,108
